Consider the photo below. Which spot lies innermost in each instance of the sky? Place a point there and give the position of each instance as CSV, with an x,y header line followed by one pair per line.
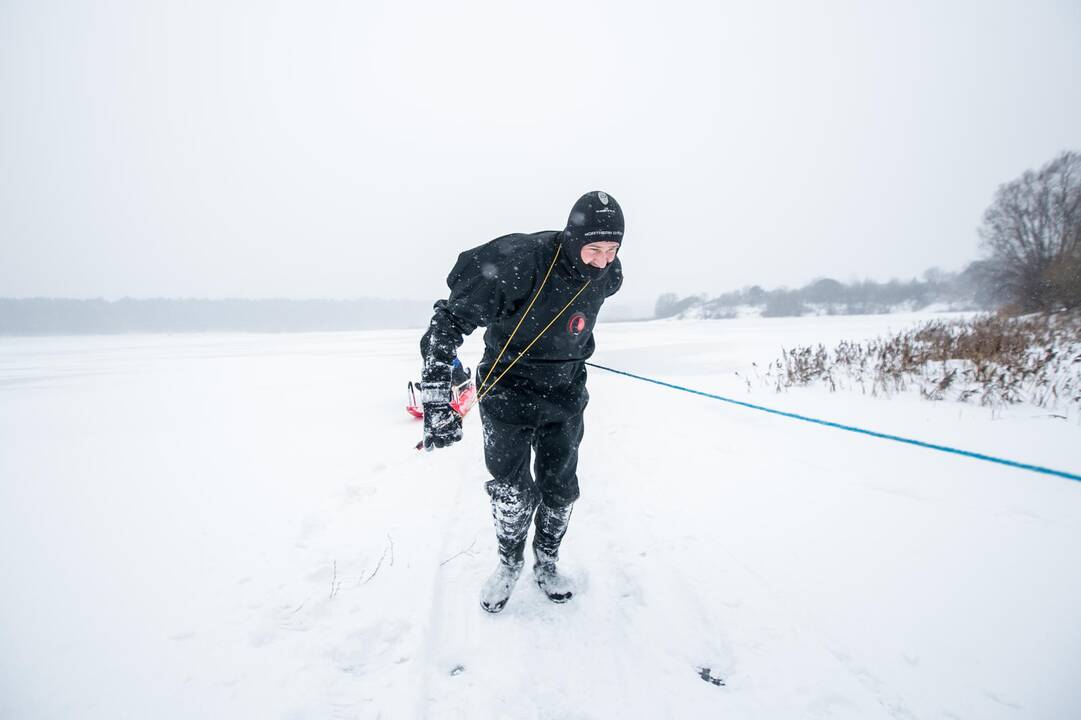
x,y
338,149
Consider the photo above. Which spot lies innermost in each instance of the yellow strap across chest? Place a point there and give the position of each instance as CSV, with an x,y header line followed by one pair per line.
x,y
485,388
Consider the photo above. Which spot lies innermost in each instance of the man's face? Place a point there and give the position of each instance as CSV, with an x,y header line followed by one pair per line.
x,y
599,254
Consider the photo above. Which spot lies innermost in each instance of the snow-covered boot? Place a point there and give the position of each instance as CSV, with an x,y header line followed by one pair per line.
x,y
512,509
553,583
496,592
551,525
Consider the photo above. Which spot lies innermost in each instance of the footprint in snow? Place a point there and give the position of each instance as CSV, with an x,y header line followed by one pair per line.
x,y
707,674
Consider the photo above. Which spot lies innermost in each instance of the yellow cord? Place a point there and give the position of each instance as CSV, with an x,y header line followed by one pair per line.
x,y
520,321
481,395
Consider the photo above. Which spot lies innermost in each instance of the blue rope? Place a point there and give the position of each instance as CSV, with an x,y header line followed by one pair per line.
x,y
850,428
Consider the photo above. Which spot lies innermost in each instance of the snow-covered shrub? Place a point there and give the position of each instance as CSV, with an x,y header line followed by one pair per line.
x,y
990,359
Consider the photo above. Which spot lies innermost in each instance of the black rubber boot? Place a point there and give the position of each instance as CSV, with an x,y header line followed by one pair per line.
x,y
512,509
551,527
496,591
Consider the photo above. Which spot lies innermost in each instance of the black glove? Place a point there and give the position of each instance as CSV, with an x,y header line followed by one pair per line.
x,y
442,425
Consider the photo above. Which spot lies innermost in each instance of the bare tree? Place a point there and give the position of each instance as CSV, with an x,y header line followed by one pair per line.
x,y
1033,232
666,305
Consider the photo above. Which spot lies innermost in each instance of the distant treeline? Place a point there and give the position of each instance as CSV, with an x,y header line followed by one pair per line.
x,y
56,316
825,295
1031,236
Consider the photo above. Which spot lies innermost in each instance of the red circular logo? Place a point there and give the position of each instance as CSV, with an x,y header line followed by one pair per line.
x,y
576,324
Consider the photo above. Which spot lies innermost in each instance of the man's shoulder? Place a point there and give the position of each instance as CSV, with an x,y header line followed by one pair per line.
x,y
520,250
519,246
509,259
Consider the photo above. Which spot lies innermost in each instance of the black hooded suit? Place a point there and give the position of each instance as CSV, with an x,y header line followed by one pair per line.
x,y
537,405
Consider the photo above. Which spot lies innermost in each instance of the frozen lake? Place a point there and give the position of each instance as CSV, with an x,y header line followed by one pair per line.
x,y
238,526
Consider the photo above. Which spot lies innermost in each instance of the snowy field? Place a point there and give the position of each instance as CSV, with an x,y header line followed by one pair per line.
x,y
237,526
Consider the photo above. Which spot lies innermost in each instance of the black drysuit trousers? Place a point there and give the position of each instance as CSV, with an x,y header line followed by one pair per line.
x,y
518,424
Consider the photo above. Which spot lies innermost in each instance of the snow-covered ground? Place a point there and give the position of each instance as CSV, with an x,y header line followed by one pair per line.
x,y
237,526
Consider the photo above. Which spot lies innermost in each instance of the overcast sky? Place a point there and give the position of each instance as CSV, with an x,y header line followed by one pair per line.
x,y
344,149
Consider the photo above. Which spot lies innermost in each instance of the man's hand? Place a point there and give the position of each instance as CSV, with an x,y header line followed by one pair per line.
x,y
442,425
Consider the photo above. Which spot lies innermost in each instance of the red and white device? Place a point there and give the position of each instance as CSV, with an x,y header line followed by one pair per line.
x,y
461,398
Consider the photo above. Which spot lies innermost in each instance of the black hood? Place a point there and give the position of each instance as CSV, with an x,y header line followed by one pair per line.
x,y
596,217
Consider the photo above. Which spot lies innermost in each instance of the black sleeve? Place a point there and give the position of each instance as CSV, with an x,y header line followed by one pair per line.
x,y
484,285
